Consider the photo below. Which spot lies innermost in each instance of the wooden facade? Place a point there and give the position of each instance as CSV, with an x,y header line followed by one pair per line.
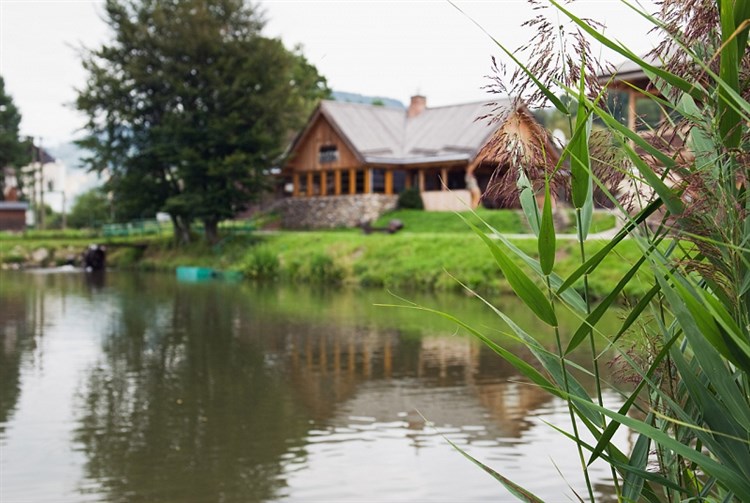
x,y
323,162
353,149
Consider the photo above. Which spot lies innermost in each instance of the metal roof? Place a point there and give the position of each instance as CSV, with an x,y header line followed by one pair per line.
x,y
386,135
628,70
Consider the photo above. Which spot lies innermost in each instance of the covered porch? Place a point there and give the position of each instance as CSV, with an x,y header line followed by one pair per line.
x,y
442,186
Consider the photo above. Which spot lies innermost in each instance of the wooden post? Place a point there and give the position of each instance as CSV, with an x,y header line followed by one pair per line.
x,y
295,184
337,182
352,181
323,183
407,180
309,184
420,180
444,179
368,180
632,111
388,182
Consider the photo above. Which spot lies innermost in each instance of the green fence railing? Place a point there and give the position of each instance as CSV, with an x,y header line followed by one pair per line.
x,y
135,228
151,227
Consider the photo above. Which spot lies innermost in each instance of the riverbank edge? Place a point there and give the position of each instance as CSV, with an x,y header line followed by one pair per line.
x,y
418,261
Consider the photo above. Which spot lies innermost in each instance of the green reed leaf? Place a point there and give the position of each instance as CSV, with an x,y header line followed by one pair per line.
x,y
591,264
516,490
592,319
518,363
580,163
546,241
570,296
528,202
587,212
605,440
729,120
678,82
741,14
633,483
525,288
740,486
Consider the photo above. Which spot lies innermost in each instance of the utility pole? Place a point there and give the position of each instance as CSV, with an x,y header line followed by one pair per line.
x,y
41,185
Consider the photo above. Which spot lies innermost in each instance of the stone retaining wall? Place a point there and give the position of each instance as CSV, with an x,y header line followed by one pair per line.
x,y
329,212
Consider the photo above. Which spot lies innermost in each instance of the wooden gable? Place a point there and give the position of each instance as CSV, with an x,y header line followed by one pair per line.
x,y
321,148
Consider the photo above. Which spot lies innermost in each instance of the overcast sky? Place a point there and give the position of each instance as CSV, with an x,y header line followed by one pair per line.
x,y
374,47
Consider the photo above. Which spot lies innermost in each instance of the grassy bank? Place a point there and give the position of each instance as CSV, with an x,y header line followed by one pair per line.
x,y
432,248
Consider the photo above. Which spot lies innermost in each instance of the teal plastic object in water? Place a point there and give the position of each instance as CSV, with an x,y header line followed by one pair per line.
x,y
185,273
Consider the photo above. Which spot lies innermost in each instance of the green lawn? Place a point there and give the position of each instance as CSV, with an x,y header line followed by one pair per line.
x,y
505,221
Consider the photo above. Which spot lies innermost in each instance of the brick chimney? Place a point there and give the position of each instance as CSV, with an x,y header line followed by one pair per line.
x,y
417,106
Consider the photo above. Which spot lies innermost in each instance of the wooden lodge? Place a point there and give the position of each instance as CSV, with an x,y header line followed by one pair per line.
x,y
350,149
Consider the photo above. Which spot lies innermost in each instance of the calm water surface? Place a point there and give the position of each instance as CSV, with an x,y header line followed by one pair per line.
x,y
138,388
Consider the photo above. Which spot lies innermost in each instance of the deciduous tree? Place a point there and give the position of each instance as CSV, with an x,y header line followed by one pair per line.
x,y
189,107
14,152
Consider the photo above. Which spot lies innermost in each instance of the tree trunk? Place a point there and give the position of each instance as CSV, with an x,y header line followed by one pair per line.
x,y
181,230
212,230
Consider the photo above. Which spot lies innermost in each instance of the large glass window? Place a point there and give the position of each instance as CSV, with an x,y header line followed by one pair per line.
x,y
432,180
345,181
378,181
330,183
360,181
399,181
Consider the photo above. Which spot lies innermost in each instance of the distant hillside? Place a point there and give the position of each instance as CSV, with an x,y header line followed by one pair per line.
x,y
370,100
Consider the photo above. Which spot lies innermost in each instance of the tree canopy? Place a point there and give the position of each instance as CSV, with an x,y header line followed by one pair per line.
x,y
90,209
14,152
189,106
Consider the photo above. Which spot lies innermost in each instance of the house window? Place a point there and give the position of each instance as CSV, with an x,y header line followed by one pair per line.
x,y
432,180
345,181
330,183
328,154
399,181
360,182
378,181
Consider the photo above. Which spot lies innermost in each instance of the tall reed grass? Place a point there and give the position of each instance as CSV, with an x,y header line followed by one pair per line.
x,y
689,408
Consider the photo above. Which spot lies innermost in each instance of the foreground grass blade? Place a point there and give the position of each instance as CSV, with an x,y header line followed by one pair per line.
x,y
591,264
740,486
583,330
525,288
528,202
604,441
516,490
580,162
674,80
729,118
546,241
526,369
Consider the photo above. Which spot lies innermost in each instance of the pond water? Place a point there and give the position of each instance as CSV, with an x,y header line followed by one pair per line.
x,y
134,387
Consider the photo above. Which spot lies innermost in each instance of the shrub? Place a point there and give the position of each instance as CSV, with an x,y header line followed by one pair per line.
x,y
323,269
261,263
410,199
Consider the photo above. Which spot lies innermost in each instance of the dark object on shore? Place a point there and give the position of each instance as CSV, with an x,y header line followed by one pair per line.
x,y
393,227
94,258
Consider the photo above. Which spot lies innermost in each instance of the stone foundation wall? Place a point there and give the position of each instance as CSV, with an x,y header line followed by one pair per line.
x,y
329,212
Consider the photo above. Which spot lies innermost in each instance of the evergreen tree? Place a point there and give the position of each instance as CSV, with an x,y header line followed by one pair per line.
x,y
189,107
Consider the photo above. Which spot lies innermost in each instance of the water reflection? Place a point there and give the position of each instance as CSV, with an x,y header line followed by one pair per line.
x,y
217,392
